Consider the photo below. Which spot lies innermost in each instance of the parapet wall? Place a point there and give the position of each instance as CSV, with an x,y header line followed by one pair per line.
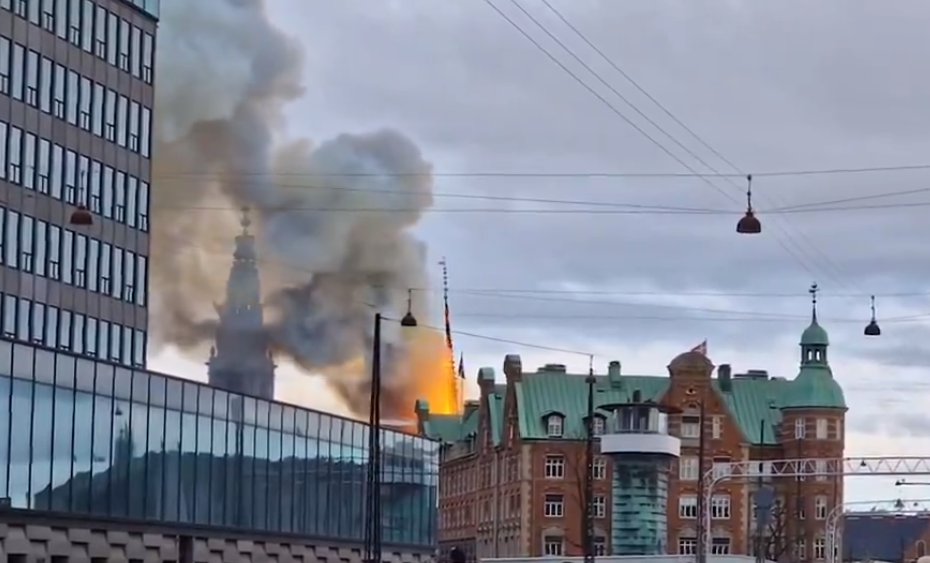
x,y
68,542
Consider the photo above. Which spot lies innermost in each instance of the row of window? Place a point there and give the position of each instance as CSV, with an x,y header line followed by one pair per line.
x,y
720,507
40,82
691,427
66,175
38,323
554,506
555,425
554,546
47,250
93,28
689,469
721,546
554,467
718,546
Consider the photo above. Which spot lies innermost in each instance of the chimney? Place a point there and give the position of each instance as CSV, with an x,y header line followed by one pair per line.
x,y
613,374
552,368
486,381
421,407
513,368
724,378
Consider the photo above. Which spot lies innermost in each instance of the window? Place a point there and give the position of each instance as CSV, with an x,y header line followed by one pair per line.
x,y
820,468
687,506
820,548
687,546
921,548
600,546
800,428
800,549
839,429
721,467
720,507
555,467
821,429
552,545
820,507
600,468
5,47
599,426
554,426
554,506
717,427
720,546
688,469
690,426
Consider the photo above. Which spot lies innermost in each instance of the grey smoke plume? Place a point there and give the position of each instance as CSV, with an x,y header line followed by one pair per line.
x,y
224,73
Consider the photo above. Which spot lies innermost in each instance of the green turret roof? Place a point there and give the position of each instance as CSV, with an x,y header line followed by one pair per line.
x,y
814,388
815,335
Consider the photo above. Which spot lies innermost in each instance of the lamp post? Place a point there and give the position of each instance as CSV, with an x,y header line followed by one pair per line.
x,y
373,522
588,517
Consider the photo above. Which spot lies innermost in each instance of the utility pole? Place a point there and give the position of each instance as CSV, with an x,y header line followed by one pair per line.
x,y
588,517
702,503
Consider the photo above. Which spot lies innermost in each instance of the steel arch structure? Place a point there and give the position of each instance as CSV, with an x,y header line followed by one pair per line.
x,y
802,467
834,535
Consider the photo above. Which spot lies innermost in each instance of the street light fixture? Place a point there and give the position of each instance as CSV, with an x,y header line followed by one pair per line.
x,y
373,523
872,329
749,224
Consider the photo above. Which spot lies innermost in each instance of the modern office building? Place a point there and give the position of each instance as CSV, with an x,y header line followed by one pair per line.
x,y
90,439
76,92
100,458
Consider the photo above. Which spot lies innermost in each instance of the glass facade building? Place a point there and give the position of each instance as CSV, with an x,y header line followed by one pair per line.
x,y
80,435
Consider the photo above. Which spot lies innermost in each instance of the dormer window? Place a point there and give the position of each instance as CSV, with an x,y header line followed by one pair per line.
x,y
554,426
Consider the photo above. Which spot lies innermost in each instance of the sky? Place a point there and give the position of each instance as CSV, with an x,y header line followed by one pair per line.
x,y
568,202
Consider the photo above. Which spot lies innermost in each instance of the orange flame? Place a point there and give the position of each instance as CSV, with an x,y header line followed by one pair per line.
x,y
431,372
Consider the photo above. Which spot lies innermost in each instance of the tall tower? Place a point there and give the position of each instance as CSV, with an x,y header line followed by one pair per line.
x,y
240,360
813,416
642,452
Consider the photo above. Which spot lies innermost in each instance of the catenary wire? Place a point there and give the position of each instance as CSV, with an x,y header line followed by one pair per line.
x,y
657,210
572,175
808,244
803,262
592,203
735,315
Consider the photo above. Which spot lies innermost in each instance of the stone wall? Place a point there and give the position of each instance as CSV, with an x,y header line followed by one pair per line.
x,y
31,542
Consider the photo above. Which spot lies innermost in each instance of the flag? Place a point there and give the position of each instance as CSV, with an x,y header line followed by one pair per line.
x,y
461,366
701,348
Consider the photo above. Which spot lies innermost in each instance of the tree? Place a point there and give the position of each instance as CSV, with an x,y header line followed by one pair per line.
x,y
774,543
576,468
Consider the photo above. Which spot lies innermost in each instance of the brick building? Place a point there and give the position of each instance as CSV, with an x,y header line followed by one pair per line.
x,y
512,464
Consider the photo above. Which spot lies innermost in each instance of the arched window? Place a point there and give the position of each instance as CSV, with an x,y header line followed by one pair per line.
x,y
921,548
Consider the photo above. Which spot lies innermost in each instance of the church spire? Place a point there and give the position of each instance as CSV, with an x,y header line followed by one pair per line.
x,y
240,360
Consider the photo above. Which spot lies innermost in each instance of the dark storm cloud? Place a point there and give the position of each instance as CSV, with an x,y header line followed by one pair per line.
x,y
771,86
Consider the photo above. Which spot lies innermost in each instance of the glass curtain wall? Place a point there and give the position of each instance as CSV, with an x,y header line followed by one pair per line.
x,y
82,436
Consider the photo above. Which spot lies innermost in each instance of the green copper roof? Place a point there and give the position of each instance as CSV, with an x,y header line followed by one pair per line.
x,y
815,335
815,388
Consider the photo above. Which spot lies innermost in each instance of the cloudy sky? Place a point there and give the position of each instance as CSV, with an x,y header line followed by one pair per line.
x,y
617,269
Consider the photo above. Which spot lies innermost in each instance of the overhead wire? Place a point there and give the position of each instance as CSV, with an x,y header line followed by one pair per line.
x,y
587,174
798,248
726,315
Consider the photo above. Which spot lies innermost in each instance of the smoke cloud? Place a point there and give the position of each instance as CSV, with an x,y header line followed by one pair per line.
x,y
332,220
